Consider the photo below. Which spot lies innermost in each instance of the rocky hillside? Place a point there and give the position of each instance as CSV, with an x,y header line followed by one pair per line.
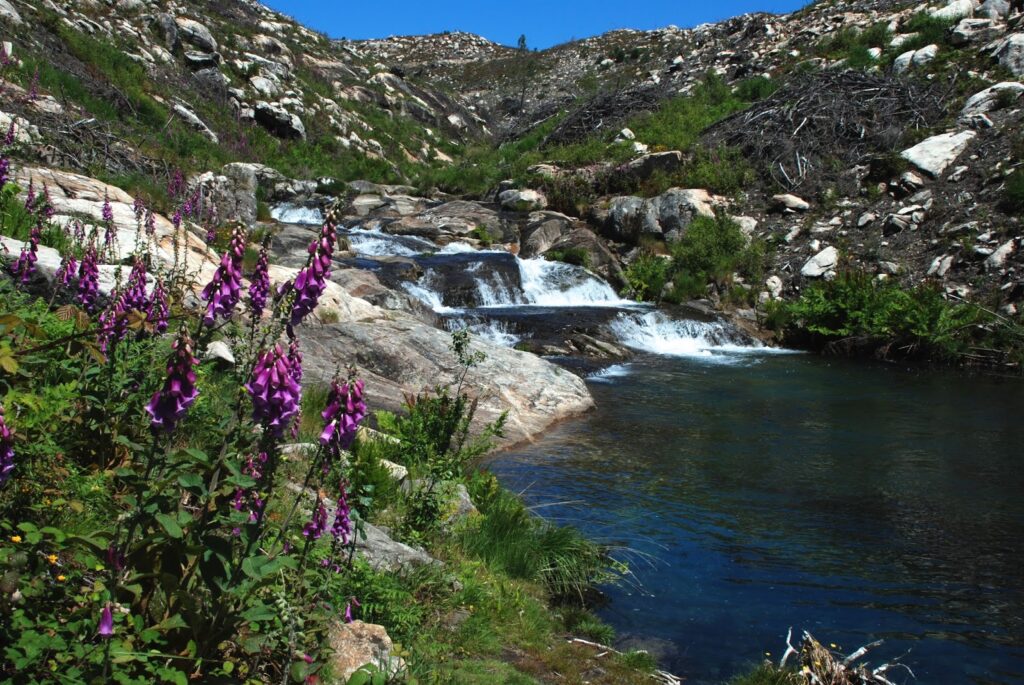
x,y
878,138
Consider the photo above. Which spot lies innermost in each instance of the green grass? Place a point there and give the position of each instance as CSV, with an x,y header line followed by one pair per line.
x,y
511,539
766,674
569,255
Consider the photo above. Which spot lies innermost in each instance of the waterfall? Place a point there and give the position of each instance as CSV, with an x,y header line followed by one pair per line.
x,y
656,332
288,213
556,284
376,243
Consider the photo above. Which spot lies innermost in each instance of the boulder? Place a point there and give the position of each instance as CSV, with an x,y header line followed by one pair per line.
x,y
657,162
773,285
935,154
543,230
220,351
666,215
994,9
1010,53
790,203
915,58
397,355
9,14
384,554
194,33
975,31
279,121
986,100
956,9
193,120
997,259
597,256
357,644
522,200
821,264
166,25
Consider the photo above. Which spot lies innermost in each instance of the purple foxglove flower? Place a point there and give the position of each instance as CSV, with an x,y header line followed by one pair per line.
x,y
344,412
135,293
9,138
316,526
115,558
275,394
259,285
150,222
348,608
108,211
30,197
88,279
78,231
342,527
25,265
170,404
139,209
6,449
66,272
176,185
159,312
44,206
33,91
176,219
312,279
106,628
254,467
5,171
224,289
113,322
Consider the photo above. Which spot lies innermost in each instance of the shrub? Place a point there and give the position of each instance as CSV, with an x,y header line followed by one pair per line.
x,y
647,276
570,255
1013,195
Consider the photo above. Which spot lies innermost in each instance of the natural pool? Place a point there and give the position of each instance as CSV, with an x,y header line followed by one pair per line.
x,y
762,491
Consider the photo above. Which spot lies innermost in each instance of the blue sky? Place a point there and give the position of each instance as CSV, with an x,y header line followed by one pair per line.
x,y
544,22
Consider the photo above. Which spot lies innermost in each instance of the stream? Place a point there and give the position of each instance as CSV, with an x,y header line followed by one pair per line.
x,y
752,490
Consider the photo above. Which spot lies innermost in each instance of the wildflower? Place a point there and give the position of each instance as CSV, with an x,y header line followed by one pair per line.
x,y
66,272
16,539
61,578
108,211
33,91
115,558
5,171
316,526
254,468
176,219
224,289
159,311
52,558
9,138
176,185
348,608
274,392
342,526
106,628
259,284
25,265
135,292
169,405
88,279
30,196
44,206
6,453
150,222
312,278
113,322
344,412
78,231
139,209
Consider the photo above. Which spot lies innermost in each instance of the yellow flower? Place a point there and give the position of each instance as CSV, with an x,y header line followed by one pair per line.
x,y
15,539
62,577
52,558
832,645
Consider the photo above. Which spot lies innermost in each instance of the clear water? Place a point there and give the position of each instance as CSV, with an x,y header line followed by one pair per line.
x,y
854,501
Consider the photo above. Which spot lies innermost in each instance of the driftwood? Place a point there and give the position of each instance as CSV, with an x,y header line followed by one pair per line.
x,y
603,650
821,666
795,137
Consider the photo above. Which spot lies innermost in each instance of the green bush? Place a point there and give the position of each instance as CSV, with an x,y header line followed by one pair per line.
x,y
1013,195
647,276
570,255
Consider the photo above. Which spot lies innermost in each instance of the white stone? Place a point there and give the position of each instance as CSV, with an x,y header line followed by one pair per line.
x,y
1010,53
997,259
925,54
934,154
940,265
957,9
522,200
790,203
8,13
219,349
774,286
821,263
986,100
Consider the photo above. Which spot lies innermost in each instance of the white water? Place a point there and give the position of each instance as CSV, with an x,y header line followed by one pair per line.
x,y
427,295
655,332
293,214
375,243
494,332
608,374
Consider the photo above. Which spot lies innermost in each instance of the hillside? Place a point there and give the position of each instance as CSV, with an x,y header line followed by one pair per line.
x,y
475,233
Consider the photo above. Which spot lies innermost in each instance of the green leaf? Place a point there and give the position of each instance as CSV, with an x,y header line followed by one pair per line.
x,y
192,481
170,525
259,612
